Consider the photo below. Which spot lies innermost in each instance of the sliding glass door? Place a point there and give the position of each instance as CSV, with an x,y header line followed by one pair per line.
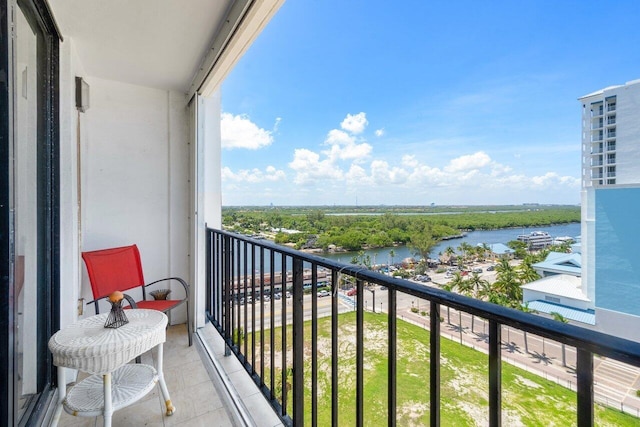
x,y
30,239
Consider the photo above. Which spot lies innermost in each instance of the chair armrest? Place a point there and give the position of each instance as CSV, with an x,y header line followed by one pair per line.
x,y
130,300
184,284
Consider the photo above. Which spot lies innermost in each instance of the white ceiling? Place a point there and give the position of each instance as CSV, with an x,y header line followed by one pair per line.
x,y
154,43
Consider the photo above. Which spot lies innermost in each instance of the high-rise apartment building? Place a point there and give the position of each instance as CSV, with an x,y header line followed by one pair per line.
x,y
611,207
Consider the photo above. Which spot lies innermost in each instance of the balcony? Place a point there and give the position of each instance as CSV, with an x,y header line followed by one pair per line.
x,y
286,367
611,134
611,107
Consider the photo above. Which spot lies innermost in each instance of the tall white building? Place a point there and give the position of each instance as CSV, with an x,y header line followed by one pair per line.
x,y
611,207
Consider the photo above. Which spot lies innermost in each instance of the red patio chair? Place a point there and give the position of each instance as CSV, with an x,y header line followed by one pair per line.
x,y
120,269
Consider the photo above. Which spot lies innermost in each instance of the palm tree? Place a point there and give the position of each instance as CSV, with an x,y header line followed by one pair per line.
x,y
449,252
477,287
449,288
560,318
458,283
466,250
525,308
391,255
526,272
508,284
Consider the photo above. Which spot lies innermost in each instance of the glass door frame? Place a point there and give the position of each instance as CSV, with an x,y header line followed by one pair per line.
x,y
47,316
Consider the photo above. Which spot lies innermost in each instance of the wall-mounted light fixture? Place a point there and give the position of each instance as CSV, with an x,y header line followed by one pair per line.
x,y
82,95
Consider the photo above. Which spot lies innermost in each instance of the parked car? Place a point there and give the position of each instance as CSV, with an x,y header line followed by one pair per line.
x,y
477,270
277,296
490,268
324,293
352,292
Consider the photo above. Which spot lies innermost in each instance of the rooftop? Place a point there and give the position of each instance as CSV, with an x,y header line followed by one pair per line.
x,y
562,285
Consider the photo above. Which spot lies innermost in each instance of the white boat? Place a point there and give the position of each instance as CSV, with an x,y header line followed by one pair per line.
x,y
562,240
536,239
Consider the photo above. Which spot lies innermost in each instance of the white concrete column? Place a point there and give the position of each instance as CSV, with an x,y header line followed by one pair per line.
x,y
208,191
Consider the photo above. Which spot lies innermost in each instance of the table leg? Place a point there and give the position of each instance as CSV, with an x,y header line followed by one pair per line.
x,y
163,386
62,385
108,406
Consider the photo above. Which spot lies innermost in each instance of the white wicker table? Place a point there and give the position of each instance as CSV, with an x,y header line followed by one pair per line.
x,y
104,352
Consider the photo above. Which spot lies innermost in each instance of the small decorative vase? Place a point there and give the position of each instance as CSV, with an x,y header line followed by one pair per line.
x,y
116,316
160,294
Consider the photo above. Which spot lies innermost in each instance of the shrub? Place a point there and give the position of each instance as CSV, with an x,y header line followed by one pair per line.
x,y
423,313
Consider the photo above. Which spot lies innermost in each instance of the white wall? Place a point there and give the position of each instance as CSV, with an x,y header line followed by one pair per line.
x,y
135,178
627,133
529,295
70,67
619,324
208,191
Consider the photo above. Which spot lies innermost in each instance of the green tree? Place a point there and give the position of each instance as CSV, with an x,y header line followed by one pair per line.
x,y
422,243
525,308
507,284
526,272
459,284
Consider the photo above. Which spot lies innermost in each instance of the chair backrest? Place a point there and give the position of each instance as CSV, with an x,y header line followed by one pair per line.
x,y
115,269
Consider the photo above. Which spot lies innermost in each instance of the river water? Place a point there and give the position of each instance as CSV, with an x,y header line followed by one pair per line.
x,y
382,255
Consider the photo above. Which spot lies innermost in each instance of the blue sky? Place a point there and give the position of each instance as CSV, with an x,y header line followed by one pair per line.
x,y
413,103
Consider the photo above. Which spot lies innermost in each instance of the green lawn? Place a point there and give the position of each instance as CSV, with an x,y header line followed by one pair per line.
x,y
527,400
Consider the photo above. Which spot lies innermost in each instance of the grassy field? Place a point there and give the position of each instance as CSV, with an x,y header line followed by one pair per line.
x,y
527,400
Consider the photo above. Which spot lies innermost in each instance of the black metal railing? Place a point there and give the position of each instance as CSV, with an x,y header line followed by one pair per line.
x,y
246,275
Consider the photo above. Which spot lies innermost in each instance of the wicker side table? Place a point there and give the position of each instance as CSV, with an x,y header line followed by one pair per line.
x,y
104,352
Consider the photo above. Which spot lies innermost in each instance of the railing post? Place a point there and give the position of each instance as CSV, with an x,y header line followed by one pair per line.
x,y
226,292
584,367
209,273
298,343
392,360
434,364
495,374
314,345
360,354
335,278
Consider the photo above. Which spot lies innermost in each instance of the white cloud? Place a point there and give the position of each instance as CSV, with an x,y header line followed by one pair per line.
x,y
240,132
379,132
357,152
383,174
471,161
355,123
340,137
344,147
346,166
253,176
309,168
